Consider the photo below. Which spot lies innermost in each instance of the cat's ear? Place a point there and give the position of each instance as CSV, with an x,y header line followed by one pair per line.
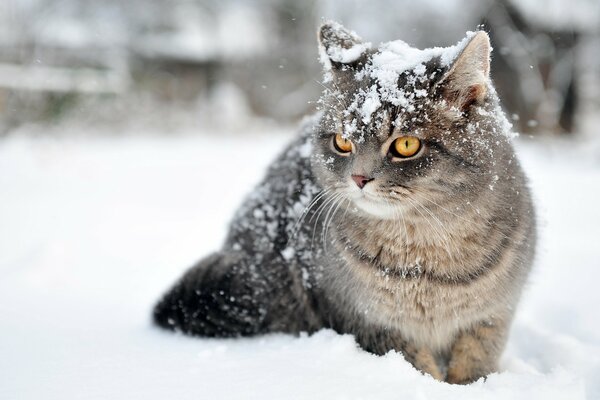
x,y
339,47
466,82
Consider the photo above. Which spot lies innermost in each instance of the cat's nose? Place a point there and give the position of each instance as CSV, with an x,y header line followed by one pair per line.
x,y
361,180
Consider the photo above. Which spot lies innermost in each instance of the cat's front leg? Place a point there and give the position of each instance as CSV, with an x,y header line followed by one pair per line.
x,y
381,342
423,359
475,352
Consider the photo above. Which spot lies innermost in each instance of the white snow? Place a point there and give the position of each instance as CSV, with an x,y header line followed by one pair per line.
x,y
93,230
397,56
385,67
340,54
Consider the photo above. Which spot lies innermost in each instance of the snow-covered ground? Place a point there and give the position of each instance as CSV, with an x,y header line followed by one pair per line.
x,y
93,230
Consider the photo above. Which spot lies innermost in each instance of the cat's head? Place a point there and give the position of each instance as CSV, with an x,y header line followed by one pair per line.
x,y
402,127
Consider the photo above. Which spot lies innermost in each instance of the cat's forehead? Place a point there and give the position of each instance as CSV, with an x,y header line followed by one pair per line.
x,y
370,110
385,122
391,89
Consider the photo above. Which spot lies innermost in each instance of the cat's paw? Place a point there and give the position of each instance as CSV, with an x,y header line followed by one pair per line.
x,y
462,377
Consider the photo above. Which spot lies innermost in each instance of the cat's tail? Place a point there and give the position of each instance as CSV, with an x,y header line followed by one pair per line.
x,y
211,299
224,296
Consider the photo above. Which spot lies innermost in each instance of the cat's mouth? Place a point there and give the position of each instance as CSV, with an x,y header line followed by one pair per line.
x,y
377,205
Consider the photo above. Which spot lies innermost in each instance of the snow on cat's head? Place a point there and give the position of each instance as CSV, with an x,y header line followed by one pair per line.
x,y
401,124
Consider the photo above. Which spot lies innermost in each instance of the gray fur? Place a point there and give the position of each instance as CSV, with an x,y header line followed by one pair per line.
x,y
432,263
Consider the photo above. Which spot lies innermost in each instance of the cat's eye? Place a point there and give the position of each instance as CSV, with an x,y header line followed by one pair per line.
x,y
405,146
341,144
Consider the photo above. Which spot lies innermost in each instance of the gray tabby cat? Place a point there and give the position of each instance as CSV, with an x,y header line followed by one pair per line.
x,y
400,215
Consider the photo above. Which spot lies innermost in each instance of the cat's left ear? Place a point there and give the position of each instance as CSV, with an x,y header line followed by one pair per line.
x,y
339,47
466,82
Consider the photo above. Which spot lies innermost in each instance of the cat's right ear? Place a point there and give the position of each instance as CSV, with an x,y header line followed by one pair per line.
x,y
339,47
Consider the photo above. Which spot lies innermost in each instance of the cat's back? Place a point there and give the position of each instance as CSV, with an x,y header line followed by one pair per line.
x,y
267,216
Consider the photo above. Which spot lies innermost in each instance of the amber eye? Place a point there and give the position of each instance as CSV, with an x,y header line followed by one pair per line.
x,y
341,144
405,146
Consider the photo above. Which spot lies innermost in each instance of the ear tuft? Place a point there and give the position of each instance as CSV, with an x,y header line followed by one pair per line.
x,y
339,45
465,83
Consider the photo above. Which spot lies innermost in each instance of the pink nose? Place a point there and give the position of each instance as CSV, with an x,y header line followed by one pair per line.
x,y
361,180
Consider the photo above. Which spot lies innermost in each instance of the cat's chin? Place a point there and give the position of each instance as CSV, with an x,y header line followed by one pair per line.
x,y
376,209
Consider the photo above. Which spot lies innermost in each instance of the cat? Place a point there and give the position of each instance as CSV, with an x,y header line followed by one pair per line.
x,y
400,215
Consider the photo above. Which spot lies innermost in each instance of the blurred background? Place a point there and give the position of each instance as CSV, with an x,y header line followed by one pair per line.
x,y
230,64
131,130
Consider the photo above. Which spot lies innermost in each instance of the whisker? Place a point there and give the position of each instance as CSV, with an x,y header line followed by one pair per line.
x,y
469,221
318,213
405,235
331,205
448,234
306,210
340,201
435,231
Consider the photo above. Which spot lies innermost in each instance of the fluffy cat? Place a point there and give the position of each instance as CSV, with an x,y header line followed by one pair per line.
x,y
399,215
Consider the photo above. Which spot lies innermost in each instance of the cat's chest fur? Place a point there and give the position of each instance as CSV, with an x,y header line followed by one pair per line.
x,y
401,283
